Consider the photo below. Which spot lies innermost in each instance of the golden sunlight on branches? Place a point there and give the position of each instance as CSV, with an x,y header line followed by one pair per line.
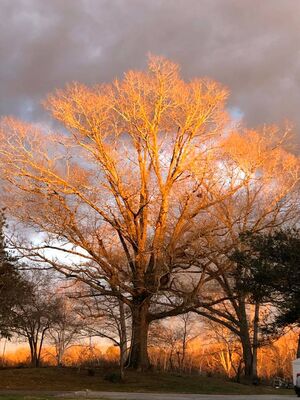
x,y
143,192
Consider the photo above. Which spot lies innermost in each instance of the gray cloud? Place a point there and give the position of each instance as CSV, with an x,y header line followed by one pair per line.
x,y
252,46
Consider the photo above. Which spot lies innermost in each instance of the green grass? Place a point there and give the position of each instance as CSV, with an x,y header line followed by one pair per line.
x,y
70,379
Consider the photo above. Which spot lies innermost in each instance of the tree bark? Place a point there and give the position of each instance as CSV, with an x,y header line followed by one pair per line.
x,y
35,362
138,355
247,357
255,343
246,341
33,352
123,339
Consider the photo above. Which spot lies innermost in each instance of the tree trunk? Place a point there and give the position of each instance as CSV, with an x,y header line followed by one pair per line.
x,y
255,343
33,352
60,351
34,355
3,352
246,345
184,343
247,357
123,339
138,355
39,352
245,340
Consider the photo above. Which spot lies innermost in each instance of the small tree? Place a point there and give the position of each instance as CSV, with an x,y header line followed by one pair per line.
x,y
272,261
34,315
106,318
228,353
66,329
13,288
172,338
273,274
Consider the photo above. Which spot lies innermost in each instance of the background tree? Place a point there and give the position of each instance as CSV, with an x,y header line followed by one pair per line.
x,y
274,274
269,199
170,341
228,352
272,261
35,314
13,288
105,318
65,330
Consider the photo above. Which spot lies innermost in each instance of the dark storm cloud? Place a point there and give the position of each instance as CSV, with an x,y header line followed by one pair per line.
x,y
252,46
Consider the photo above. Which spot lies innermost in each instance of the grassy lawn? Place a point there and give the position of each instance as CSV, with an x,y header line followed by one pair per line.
x,y
69,379
36,397
20,397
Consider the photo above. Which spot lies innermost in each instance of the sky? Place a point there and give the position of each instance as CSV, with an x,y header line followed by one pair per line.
x,y
251,46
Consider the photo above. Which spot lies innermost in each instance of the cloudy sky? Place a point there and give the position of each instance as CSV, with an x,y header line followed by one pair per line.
x,y
252,46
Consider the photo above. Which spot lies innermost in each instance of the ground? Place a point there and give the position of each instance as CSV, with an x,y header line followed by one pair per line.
x,y
34,384
146,396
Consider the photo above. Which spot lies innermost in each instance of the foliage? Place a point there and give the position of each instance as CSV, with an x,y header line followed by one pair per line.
x,y
272,261
13,288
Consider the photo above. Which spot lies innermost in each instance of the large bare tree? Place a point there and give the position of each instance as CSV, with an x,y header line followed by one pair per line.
x,y
122,186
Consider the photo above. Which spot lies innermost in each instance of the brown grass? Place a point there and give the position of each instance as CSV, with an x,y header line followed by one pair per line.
x,y
71,379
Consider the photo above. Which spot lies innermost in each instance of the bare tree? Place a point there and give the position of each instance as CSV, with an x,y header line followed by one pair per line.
x,y
228,353
105,318
267,201
67,329
123,186
171,338
35,314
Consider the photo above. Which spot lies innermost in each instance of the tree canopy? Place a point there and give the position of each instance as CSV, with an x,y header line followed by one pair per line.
x,y
273,273
13,287
126,195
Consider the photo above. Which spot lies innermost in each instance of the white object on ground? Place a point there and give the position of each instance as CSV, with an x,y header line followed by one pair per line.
x,y
296,372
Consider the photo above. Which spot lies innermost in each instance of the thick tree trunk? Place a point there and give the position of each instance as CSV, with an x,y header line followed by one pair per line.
x,y
35,361
250,347
33,352
246,342
59,356
138,355
247,357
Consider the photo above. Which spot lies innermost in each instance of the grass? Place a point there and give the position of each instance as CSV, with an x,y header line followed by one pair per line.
x,y
21,397
71,379
37,397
